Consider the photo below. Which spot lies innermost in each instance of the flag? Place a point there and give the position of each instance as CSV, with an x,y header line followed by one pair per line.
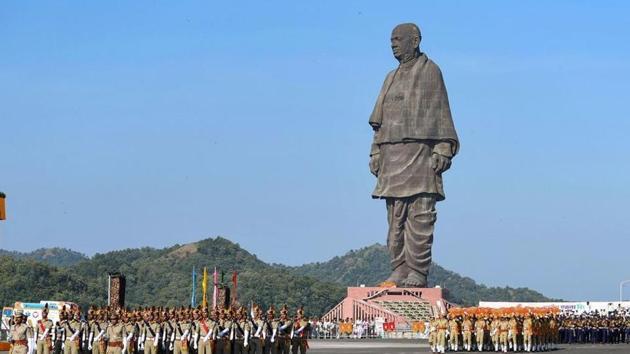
x,y
204,287
3,212
194,288
235,284
215,290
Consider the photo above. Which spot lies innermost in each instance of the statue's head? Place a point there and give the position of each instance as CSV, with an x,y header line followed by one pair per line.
x,y
406,39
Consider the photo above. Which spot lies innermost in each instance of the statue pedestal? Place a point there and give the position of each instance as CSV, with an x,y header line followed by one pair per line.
x,y
400,305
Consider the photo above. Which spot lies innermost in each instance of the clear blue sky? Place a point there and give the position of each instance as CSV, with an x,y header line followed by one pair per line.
x,y
134,123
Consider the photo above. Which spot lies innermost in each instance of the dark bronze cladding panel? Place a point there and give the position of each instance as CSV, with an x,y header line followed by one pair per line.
x,y
116,290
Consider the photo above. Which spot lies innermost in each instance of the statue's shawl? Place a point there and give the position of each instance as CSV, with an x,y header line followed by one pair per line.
x,y
427,114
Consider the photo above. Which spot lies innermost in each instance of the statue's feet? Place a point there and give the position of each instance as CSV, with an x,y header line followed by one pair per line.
x,y
398,276
415,280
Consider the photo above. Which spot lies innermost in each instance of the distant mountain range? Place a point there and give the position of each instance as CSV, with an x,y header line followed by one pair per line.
x,y
61,257
370,266
163,276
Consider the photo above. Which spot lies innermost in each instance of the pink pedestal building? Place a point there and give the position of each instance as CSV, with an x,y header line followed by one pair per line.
x,y
400,305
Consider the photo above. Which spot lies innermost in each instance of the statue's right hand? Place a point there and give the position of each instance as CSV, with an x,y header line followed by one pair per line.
x,y
375,164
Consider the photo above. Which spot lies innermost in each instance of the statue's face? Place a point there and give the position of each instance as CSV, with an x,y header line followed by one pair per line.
x,y
405,41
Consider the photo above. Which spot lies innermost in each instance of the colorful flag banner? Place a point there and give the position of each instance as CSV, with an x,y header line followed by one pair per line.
x,y
204,287
215,291
235,286
193,297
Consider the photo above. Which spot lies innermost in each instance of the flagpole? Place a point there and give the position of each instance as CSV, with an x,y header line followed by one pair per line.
x,y
235,283
215,290
194,287
3,212
204,287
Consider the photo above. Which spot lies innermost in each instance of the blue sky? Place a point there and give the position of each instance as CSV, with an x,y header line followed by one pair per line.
x,y
126,124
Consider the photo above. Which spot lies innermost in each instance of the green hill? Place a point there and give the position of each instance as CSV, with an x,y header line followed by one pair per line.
x,y
163,276
370,266
60,257
29,280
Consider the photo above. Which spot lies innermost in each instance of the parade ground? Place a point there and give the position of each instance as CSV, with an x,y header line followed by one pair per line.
x,y
410,347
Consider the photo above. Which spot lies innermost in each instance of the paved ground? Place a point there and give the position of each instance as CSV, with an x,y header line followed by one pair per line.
x,y
412,347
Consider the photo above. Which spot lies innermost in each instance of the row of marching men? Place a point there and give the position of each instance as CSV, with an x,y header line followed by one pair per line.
x,y
232,330
499,330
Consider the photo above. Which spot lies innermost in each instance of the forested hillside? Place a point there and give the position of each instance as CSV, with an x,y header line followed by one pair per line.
x,y
56,256
163,276
370,266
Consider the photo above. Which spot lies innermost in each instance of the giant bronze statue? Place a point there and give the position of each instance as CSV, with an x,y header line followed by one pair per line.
x,y
414,143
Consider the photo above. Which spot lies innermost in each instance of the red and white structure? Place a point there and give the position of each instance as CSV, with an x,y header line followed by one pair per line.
x,y
399,305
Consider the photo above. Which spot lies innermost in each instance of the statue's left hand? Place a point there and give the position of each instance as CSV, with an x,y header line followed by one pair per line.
x,y
375,162
440,163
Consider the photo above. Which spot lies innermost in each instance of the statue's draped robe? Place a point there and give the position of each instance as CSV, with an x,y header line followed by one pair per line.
x,y
411,121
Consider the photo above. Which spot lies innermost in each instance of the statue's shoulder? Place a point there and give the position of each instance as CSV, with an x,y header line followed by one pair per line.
x,y
431,67
390,75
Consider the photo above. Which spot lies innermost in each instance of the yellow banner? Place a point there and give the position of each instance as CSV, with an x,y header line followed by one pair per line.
x,y
204,287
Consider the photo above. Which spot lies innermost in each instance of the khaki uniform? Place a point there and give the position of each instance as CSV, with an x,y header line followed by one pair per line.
x,y
241,335
467,328
442,327
115,335
43,336
73,336
97,328
256,342
513,332
283,337
19,335
544,335
165,336
480,330
528,330
299,340
208,330
224,344
433,334
495,332
151,334
504,327
182,337
130,329
454,335
554,334
269,331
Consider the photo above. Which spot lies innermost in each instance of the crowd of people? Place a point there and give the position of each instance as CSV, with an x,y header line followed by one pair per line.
x,y
238,330
524,329
495,330
345,329
505,329
596,327
233,330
